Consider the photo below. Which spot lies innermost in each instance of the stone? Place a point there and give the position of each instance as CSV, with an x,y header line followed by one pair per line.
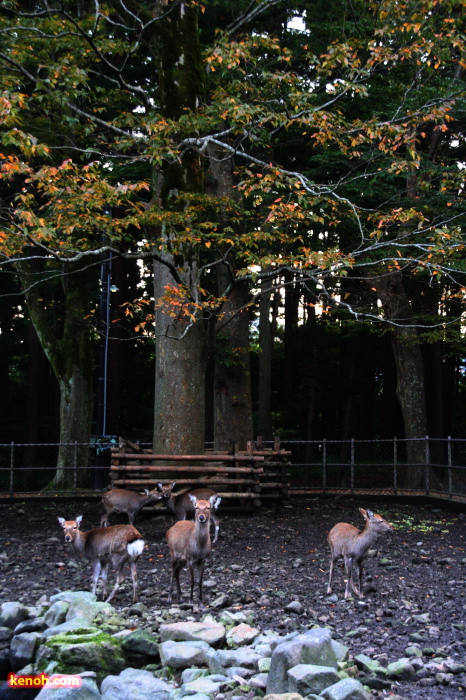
x,y
207,631
191,674
22,649
341,651
37,624
308,678
401,670
6,634
205,686
141,647
221,659
365,663
183,654
11,614
294,607
347,689
77,625
283,696
87,691
241,635
313,647
264,664
134,684
56,614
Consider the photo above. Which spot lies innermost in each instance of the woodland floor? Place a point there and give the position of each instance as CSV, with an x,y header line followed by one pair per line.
x,y
264,561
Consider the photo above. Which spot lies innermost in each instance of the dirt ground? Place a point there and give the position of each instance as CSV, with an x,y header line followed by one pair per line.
x,y
266,560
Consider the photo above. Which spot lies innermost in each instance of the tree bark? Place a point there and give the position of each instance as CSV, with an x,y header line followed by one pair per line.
x,y
264,418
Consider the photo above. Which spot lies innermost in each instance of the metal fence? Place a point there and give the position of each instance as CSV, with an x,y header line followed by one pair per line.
x,y
319,466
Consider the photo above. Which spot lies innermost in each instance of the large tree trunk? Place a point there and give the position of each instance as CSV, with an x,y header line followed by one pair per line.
x,y
410,388
67,345
264,417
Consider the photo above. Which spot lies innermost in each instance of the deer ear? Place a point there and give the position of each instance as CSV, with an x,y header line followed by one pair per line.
x,y
146,491
61,521
370,514
192,498
159,486
78,520
173,485
216,502
363,513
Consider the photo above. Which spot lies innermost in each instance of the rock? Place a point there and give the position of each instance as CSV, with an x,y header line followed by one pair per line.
x,y
22,649
205,686
141,647
241,635
307,678
37,624
229,619
401,670
77,625
220,601
313,647
75,653
294,607
87,691
221,659
191,674
12,614
347,689
284,696
134,684
341,651
56,614
6,634
207,631
183,654
264,664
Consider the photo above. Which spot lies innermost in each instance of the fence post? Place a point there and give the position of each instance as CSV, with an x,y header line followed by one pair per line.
x,y
352,465
12,464
324,465
395,466
75,475
427,485
450,479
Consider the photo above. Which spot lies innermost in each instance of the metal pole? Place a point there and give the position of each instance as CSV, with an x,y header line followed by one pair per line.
x,y
352,465
395,466
324,465
450,478
427,465
75,476
12,464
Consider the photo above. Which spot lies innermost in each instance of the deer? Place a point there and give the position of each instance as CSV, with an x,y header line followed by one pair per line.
x,y
125,501
189,543
353,545
119,544
181,504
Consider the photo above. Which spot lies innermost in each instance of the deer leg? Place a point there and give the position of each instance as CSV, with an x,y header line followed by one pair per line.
x,y
191,574
332,566
359,568
120,577
215,521
104,519
175,574
201,575
134,576
349,571
104,574
95,574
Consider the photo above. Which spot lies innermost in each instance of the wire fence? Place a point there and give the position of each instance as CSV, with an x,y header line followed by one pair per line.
x,y
423,466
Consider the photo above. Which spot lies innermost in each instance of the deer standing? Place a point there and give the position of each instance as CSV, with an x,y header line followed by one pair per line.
x,y
125,501
189,543
182,506
118,544
353,545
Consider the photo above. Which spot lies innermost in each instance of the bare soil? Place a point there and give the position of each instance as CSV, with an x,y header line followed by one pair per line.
x,y
264,561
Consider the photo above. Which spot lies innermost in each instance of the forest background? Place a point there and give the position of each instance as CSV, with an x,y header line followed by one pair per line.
x,y
222,219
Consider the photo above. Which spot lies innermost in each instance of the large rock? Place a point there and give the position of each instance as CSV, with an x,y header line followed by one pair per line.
x,y
221,659
141,647
134,684
401,670
75,653
87,691
22,649
204,686
183,654
56,614
241,635
347,689
78,625
83,605
36,624
313,647
12,614
307,678
207,631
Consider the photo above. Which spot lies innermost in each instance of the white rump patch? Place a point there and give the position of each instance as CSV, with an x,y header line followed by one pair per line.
x,y
136,548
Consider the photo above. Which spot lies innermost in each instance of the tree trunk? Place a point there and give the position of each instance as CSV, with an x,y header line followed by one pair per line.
x,y
410,388
67,345
264,418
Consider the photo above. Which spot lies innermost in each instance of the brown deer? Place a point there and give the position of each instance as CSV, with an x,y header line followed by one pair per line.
x,y
125,501
189,543
182,506
353,545
119,544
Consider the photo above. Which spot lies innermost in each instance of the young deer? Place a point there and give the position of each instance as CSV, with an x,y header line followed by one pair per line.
x,y
181,504
119,544
190,544
125,501
353,545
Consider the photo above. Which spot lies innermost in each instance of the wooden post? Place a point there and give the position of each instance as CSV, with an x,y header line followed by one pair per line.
x,y
395,465
450,477
12,464
427,484
352,465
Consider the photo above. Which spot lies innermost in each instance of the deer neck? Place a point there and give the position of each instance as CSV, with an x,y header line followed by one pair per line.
x,y
79,541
